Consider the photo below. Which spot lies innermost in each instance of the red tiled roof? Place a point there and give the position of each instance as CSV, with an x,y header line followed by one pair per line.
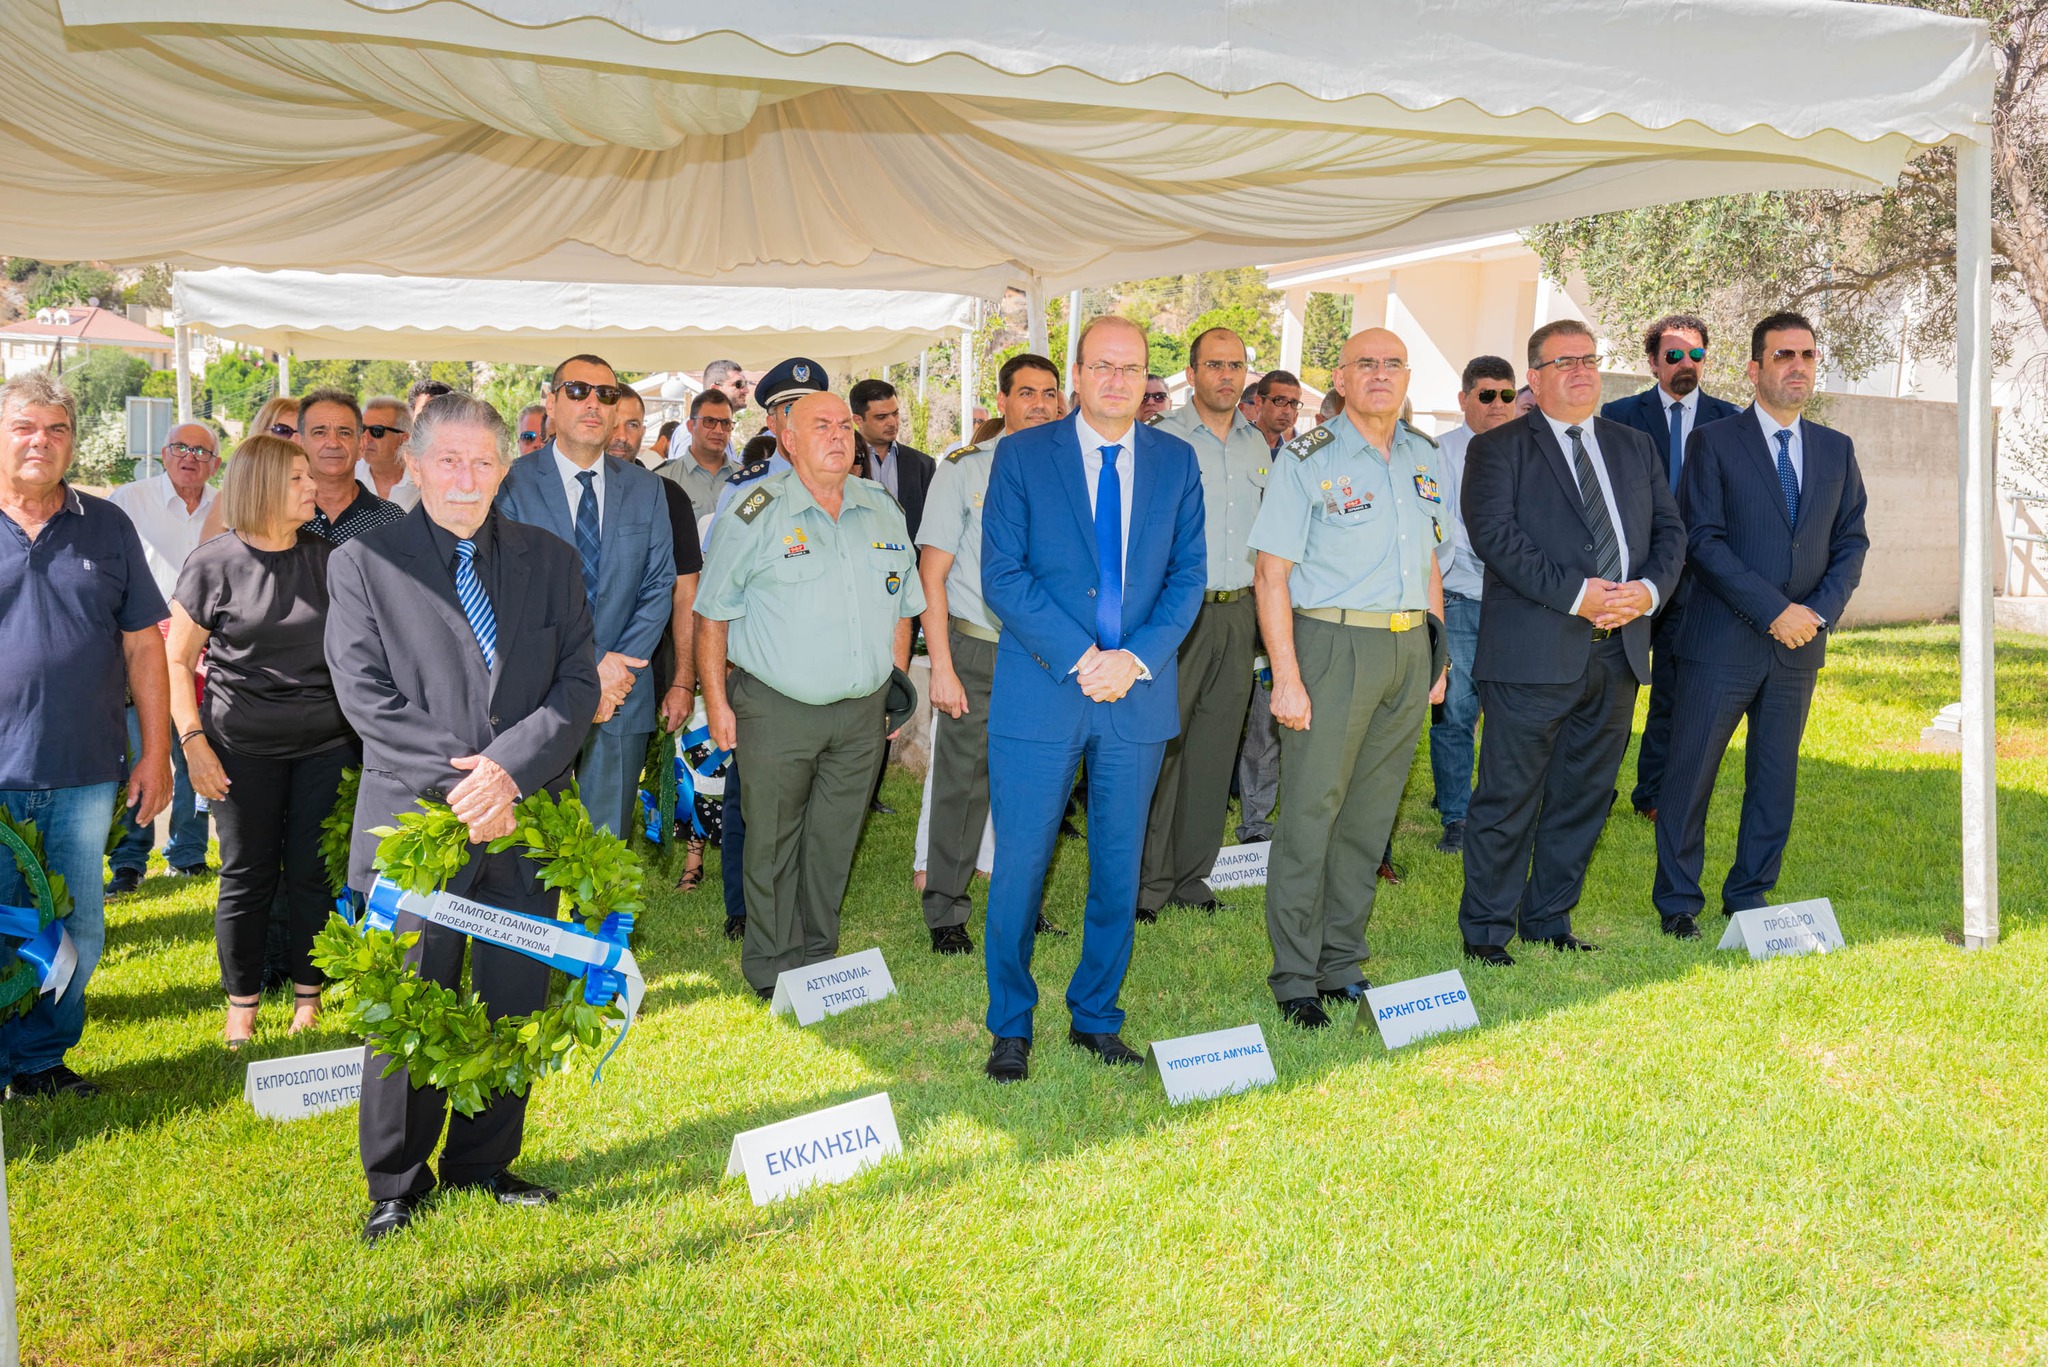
x,y
98,326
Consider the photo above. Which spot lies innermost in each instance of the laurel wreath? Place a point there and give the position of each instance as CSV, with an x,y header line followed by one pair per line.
x,y
441,1037
18,984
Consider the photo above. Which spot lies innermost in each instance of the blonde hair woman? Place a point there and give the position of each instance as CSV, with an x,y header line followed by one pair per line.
x,y
268,747
279,417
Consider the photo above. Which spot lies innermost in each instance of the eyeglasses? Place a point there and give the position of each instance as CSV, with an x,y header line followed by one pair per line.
x,y
1284,403
1495,395
1216,367
1673,355
179,448
1367,365
283,429
576,391
1785,355
1567,364
1103,370
714,424
529,436
381,430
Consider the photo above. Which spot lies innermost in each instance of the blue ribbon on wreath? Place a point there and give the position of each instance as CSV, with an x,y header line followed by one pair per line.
x,y
48,949
686,784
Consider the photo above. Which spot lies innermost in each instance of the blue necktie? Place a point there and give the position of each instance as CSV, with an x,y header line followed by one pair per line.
x,y
1677,457
475,605
586,531
1109,552
1787,480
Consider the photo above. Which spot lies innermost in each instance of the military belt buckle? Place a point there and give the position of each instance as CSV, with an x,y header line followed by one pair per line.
x,y
1400,621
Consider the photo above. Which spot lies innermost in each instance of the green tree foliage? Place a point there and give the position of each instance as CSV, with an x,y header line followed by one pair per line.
x,y
161,384
509,388
238,384
1326,325
49,287
104,376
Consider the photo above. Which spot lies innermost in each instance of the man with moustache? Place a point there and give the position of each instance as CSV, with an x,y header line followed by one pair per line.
x,y
961,635
808,594
615,515
1185,827
1667,412
1573,518
1347,579
1773,504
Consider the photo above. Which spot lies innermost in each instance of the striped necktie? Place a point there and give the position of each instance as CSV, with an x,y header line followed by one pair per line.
x,y
586,531
476,605
1606,548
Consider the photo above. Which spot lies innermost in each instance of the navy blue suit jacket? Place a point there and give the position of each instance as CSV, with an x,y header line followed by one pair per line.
x,y
1039,577
1646,413
1751,562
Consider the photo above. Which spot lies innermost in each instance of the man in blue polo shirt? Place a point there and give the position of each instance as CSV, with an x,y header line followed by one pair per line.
x,y
78,620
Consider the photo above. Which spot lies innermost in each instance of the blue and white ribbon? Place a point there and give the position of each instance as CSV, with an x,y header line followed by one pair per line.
x,y
686,783
48,949
603,961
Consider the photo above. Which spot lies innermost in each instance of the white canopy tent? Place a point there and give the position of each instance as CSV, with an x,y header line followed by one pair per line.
x,y
921,146
637,327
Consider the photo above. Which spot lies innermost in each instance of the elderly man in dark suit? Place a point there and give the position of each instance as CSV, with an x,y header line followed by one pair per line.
x,y
1574,520
1667,412
614,513
1774,506
460,645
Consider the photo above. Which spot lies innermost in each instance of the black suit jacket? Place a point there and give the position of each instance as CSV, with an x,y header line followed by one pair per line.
x,y
1749,560
412,682
913,479
1527,525
1646,413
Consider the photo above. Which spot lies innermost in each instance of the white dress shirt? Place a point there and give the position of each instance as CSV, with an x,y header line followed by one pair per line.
x,y
1126,457
1459,563
1772,427
1690,403
405,493
1592,445
886,471
168,532
572,488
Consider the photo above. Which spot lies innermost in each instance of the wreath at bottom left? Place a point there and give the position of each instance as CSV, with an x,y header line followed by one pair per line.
x,y
444,1038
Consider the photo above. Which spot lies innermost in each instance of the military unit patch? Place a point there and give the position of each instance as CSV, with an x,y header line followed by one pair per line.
x,y
894,581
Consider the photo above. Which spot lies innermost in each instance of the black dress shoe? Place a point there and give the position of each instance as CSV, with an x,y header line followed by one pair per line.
x,y
1350,992
1009,1059
123,882
735,927
57,1081
1496,955
881,808
951,940
509,1189
1569,941
1045,927
1681,927
766,994
1147,916
388,1217
1208,906
1304,1012
1108,1048
1454,838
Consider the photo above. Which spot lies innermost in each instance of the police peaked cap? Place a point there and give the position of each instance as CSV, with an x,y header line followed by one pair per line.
x,y
790,379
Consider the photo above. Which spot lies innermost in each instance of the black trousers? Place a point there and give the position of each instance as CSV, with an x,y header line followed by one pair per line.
x,y
399,1123
1546,780
1712,699
1652,755
269,827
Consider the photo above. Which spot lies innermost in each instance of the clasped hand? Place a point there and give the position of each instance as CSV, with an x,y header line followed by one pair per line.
x,y
1611,606
484,801
1106,675
614,682
1795,626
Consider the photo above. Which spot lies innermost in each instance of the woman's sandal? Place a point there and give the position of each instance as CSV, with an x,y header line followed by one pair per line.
x,y
693,866
235,1042
303,998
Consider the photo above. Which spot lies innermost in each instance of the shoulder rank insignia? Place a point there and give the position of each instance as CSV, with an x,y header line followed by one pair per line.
x,y
749,508
967,450
1416,431
750,472
1311,441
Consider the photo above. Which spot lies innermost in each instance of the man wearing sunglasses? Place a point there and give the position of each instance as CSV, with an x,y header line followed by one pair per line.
x,y
1774,504
386,425
533,428
1487,399
1668,411
615,515
1155,400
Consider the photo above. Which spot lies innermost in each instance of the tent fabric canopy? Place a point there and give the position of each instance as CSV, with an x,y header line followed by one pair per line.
x,y
636,327
631,142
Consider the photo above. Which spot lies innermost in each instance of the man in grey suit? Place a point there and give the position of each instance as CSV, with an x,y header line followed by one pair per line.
x,y
460,647
614,513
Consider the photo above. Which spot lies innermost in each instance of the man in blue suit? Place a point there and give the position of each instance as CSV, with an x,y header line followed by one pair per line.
x,y
615,515
1773,504
1668,411
1093,559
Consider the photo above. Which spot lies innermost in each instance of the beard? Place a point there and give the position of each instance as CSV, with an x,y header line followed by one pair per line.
x,y
1684,382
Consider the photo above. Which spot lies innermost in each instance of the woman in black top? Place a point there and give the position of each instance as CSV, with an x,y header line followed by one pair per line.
x,y
268,747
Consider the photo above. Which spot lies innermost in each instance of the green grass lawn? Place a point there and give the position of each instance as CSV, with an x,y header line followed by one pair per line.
x,y
1656,1154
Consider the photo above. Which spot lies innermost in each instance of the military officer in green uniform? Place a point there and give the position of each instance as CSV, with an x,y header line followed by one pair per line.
x,y
807,595
960,635
1347,581
1185,828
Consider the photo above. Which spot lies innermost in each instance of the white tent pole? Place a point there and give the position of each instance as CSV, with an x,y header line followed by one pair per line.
x,y
922,357
967,383
1293,328
182,337
1073,337
1979,495
1034,301
284,372
10,1337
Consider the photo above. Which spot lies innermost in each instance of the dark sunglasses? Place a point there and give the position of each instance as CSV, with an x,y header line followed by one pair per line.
x,y
529,436
1495,395
579,390
382,430
1673,355
283,429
